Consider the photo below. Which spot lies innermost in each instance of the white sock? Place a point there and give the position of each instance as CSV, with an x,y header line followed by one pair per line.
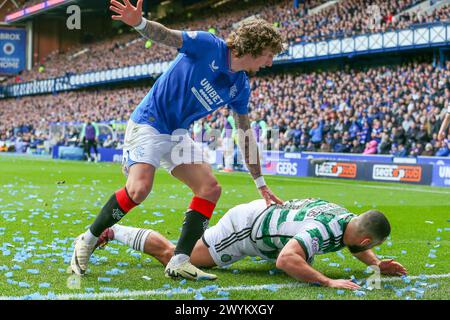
x,y
179,258
89,238
132,237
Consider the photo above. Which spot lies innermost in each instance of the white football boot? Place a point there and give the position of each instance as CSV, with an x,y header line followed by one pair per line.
x,y
188,271
81,254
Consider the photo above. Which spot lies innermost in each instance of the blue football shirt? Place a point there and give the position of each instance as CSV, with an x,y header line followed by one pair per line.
x,y
198,82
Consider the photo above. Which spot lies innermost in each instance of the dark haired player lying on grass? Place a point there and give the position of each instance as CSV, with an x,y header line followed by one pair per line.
x,y
291,234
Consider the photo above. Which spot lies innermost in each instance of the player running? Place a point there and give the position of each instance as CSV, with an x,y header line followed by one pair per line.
x,y
208,73
291,234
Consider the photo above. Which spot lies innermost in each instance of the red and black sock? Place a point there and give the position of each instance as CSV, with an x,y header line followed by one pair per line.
x,y
114,210
195,223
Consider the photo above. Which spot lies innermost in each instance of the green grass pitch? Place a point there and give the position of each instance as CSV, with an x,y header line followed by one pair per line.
x,y
45,204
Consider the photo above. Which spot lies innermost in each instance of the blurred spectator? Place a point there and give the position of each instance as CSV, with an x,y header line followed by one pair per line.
x,y
428,150
371,147
89,137
443,148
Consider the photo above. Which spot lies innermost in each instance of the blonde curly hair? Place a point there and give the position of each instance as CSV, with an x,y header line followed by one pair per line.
x,y
253,36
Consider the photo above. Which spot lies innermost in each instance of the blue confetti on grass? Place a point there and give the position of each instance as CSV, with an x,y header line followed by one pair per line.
x,y
406,279
39,261
208,288
359,293
199,296
33,271
122,264
137,255
109,289
332,264
271,287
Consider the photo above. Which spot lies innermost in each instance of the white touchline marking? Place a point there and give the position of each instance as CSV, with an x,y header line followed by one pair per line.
x,y
355,184
139,293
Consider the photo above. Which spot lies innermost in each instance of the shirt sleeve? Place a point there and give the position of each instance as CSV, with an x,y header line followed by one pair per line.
x,y
198,43
311,245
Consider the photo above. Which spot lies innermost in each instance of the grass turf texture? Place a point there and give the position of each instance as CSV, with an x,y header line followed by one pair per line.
x,y
45,204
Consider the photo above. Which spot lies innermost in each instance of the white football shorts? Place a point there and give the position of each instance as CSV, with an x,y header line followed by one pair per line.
x,y
144,144
230,239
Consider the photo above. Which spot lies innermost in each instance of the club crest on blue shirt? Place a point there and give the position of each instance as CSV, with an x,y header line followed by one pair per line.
x,y
233,91
192,34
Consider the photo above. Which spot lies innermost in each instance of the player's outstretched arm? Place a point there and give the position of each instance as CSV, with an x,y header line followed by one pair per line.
x,y
292,260
444,127
249,149
387,266
132,16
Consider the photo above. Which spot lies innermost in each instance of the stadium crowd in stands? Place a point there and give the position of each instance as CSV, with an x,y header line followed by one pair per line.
x,y
344,18
380,110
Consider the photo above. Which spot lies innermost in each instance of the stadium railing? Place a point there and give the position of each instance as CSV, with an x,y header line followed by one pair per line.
x,y
420,36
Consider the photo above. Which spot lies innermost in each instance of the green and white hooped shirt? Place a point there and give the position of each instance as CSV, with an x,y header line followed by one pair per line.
x,y
317,225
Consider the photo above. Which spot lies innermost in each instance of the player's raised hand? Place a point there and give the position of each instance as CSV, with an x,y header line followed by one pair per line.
x,y
392,268
269,196
126,12
343,284
441,135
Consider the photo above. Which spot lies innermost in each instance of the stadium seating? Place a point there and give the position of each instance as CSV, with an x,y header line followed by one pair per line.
x,y
397,110
345,18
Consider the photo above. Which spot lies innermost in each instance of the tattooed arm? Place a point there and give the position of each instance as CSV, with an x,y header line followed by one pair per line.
x,y
247,145
132,16
249,149
156,31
